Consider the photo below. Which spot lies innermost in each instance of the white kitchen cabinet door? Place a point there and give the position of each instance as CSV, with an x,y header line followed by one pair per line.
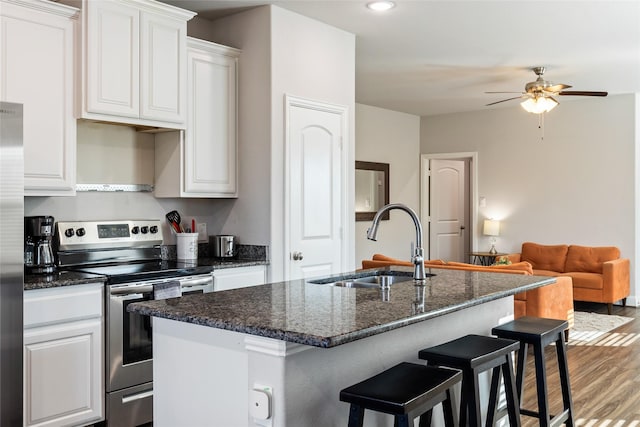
x,y
38,71
163,55
112,31
63,356
239,277
135,62
63,374
202,162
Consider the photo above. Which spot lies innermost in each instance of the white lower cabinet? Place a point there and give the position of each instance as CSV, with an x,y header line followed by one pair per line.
x,y
239,277
63,356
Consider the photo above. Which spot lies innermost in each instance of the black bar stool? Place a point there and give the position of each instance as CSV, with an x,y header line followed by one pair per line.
x,y
474,354
405,391
540,333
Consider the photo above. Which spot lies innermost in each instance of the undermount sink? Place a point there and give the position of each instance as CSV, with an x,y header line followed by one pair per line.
x,y
375,279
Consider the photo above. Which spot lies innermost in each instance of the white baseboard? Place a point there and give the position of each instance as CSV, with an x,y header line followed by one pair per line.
x,y
633,301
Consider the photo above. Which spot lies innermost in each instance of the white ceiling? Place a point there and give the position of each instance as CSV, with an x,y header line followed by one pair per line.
x,y
432,57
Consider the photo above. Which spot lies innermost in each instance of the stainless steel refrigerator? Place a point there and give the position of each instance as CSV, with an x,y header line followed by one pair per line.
x,y
11,263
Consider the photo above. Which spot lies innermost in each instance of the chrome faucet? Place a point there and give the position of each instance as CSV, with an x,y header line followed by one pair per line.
x,y
418,256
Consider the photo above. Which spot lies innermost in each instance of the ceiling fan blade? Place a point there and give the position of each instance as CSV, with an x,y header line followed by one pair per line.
x,y
556,88
504,100
582,93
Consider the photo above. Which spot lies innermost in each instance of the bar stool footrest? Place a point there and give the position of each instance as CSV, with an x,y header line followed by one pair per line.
x,y
556,420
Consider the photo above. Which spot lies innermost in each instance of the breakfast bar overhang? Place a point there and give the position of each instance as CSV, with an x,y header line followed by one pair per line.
x,y
298,344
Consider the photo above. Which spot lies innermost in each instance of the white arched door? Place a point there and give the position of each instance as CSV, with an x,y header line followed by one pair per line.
x,y
316,187
448,183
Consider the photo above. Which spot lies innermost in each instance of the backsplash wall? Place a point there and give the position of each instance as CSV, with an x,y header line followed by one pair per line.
x,y
132,205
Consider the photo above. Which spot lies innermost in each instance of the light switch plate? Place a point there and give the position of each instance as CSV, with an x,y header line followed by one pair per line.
x,y
202,232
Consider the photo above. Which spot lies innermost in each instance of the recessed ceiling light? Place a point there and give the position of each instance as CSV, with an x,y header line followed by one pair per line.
x,y
381,6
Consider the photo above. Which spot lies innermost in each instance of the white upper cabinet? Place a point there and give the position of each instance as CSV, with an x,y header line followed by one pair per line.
x,y
38,71
134,62
202,161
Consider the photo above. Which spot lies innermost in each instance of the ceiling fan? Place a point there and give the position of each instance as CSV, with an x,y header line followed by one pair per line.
x,y
538,95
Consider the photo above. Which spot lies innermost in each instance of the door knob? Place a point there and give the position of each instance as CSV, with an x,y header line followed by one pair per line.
x,y
297,256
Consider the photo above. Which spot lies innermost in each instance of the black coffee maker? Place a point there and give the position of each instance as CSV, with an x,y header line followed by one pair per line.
x,y
38,252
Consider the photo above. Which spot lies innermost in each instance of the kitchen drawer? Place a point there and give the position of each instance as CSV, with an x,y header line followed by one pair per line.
x,y
62,304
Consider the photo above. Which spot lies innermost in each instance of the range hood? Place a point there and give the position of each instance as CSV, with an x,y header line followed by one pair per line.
x,y
114,158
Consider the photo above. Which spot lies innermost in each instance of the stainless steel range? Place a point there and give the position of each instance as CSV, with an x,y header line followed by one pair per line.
x,y
129,254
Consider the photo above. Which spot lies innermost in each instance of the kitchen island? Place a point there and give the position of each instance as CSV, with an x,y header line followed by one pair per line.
x,y
304,342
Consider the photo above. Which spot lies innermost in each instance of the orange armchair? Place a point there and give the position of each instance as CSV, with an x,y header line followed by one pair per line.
x,y
598,273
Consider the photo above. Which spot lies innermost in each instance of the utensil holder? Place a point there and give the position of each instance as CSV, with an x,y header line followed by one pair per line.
x,y
187,246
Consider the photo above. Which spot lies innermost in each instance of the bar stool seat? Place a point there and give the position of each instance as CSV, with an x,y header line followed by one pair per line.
x,y
540,332
474,354
405,391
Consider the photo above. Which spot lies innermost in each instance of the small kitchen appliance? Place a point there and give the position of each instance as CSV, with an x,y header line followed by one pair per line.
x,y
224,246
38,252
128,254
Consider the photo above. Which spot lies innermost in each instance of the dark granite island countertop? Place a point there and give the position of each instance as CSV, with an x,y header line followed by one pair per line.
x,y
302,343
327,316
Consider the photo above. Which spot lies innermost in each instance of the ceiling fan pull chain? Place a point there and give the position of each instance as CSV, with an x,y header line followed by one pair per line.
x,y
541,125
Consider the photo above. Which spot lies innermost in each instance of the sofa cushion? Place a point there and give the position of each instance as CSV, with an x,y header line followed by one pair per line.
x,y
589,259
545,257
586,280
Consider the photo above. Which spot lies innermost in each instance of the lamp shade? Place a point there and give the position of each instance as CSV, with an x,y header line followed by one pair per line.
x,y
491,227
539,105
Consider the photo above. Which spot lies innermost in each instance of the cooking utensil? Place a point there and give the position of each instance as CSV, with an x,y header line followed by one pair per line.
x,y
174,219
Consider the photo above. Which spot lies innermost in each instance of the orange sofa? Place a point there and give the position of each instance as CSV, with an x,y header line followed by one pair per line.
x,y
553,301
598,273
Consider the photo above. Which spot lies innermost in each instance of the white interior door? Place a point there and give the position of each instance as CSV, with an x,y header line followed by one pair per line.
x,y
447,210
315,181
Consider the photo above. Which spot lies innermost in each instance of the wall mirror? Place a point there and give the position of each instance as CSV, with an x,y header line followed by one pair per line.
x,y
372,189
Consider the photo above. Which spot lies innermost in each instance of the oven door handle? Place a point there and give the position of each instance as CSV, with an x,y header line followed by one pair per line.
x,y
137,396
189,283
130,290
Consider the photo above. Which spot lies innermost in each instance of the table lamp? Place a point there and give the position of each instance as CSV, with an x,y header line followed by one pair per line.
x,y
491,228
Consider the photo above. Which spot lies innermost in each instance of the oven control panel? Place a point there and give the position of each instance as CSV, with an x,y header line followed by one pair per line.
x,y
72,235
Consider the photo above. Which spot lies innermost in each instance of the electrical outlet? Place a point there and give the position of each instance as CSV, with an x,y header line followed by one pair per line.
x,y
202,232
260,405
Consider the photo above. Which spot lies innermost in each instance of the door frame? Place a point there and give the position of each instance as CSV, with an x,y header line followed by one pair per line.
x,y
472,157
343,111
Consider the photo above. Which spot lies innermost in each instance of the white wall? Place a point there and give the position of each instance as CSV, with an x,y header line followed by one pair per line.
x,y
315,61
250,32
282,53
386,136
576,186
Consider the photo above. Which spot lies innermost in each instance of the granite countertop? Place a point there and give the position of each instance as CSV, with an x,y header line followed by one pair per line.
x,y
327,316
219,263
60,278
70,278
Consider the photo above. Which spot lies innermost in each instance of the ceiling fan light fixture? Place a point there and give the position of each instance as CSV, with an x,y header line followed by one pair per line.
x,y
539,105
381,6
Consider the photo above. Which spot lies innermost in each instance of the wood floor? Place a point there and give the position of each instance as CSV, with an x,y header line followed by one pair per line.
x,y
605,379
